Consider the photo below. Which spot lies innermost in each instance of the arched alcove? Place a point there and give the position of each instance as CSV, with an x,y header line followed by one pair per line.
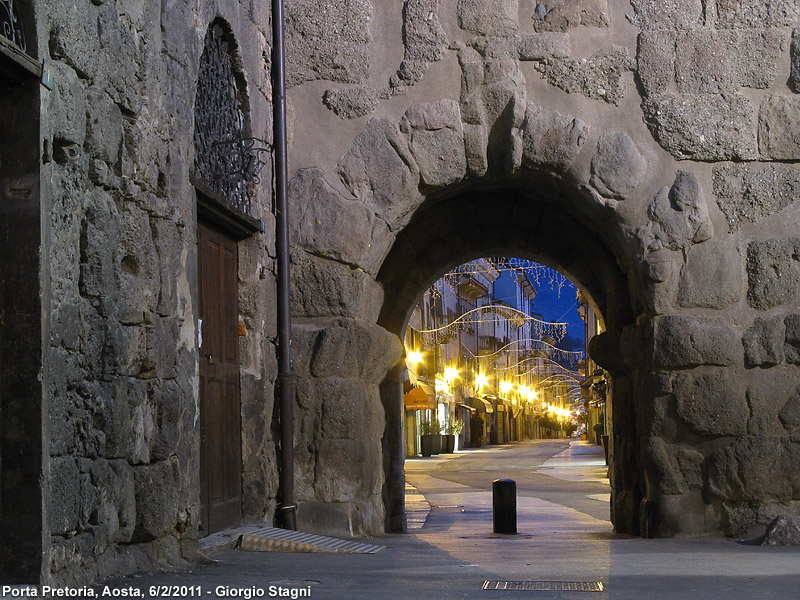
x,y
510,220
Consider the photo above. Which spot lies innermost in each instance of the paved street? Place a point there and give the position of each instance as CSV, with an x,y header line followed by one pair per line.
x,y
564,535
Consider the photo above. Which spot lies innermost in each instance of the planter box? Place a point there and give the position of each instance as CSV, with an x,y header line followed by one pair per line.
x,y
426,444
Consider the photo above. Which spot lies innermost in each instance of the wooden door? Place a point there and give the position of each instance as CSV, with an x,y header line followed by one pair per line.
x,y
220,415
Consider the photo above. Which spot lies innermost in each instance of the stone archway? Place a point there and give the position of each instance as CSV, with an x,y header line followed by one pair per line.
x,y
425,202
521,219
694,421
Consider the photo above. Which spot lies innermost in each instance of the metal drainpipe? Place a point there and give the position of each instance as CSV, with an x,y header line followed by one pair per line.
x,y
288,509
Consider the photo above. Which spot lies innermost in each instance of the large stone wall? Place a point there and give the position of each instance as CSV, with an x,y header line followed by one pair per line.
x,y
647,148
121,361
667,129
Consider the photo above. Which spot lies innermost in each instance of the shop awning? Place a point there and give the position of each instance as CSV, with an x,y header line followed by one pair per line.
x,y
469,408
481,405
418,399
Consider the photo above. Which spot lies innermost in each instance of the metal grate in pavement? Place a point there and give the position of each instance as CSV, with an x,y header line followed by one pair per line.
x,y
272,539
545,586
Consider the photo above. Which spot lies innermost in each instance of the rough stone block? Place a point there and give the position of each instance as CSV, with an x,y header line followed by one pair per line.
x,y
686,341
115,515
792,347
73,36
340,350
156,490
377,171
679,214
783,531
384,353
540,46
668,14
756,13
789,414
563,15
423,35
617,166
68,107
169,245
352,103
354,349
655,57
103,127
711,61
598,77
137,264
778,123
323,222
765,398
745,471
773,273
662,471
476,140
551,140
327,40
162,350
489,17
169,402
713,276
749,193
348,469
703,126
348,410
711,403
763,343
330,518
128,420
321,287
436,139
64,500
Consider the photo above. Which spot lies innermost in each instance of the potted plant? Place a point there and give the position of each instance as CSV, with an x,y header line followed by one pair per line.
x,y
448,439
457,429
436,428
429,436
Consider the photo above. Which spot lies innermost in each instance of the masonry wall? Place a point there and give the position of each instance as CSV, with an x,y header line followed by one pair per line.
x,y
120,358
665,132
668,129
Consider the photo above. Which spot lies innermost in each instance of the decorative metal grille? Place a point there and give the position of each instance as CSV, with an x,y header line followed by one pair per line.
x,y
10,27
225,162
545,586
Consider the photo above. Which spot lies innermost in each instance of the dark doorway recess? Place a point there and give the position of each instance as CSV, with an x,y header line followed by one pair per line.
x,y
23,303
220,413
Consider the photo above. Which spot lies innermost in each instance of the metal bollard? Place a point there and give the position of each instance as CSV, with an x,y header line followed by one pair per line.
x,y
504,505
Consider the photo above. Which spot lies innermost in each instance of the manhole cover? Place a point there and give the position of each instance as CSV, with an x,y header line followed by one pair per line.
x,y
545,586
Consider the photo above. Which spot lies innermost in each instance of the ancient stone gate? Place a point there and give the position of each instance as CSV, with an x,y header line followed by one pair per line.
x,y
647,149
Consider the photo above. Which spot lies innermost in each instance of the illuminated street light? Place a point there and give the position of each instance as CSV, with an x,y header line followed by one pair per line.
x,y
506,386
450,374
414,357
480,381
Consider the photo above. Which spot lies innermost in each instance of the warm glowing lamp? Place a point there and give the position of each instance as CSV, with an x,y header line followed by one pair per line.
x,y
481,380
506,386
450,373
414,357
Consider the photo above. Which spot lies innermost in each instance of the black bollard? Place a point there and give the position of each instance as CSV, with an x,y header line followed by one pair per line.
x,y
504,505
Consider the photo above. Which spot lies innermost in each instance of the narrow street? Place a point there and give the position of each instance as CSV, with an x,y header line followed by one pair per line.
x,y
563,474
564,536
